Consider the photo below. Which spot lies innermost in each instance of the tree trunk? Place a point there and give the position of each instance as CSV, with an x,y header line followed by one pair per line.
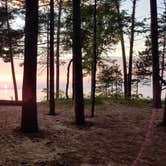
x,y
163,55
77,62
163,62
137,88
123,49
116,85
57,49
162,72
13,74
129,82
155,55
94,62
52,101
68,77
11,54
48,63
29,108
164,116
73,82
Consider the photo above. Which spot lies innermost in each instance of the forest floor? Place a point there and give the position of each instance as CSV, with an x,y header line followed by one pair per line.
x,y
118,135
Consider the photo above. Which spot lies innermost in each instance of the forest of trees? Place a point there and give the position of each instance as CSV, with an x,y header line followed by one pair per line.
x,y
89,30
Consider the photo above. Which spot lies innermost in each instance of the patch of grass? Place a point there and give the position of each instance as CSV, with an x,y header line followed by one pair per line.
x,y
133,102
64,101
141,102
98,101
61,101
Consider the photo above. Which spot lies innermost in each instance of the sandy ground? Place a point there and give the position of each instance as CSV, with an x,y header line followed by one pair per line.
x,y
117,136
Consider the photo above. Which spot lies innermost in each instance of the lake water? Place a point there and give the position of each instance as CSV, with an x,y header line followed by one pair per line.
x,y
8,94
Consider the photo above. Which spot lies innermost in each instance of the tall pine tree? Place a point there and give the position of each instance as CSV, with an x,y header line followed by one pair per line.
x,y
155,55
29,108
77,62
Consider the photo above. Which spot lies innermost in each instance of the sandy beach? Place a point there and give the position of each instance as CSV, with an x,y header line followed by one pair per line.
x,y
113,138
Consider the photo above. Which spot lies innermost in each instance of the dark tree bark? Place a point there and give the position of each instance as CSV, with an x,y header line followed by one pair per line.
x,y
68,77
162,71
123,49
164,116
29,108
116,84
48,63
129,82
94,63
77,62
163,55
155,55
57,49
73,82
11,54
52,101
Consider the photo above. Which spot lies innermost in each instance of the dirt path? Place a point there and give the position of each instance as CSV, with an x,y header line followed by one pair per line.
x,y
112,138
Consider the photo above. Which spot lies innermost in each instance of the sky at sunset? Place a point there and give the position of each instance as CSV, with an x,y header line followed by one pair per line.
x,y
143,10
6,84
